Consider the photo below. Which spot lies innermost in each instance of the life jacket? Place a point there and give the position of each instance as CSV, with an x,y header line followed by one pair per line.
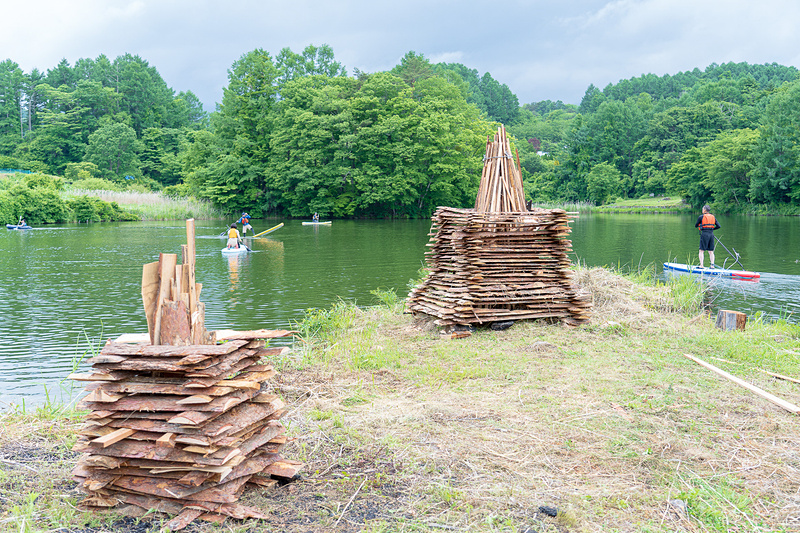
x,y
233,234
708,222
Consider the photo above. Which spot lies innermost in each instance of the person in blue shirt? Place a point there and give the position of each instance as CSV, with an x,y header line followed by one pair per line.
x,y
315,218
245,222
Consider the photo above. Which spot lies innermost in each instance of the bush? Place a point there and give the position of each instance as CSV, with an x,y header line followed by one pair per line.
x,y
96,184
93,209
81,171
40,206
180,190
44,181
8,208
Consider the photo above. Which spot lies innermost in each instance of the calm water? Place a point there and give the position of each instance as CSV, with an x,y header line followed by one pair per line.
x,y
63,285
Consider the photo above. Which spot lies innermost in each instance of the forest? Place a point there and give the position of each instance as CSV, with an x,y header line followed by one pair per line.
x,y
295,134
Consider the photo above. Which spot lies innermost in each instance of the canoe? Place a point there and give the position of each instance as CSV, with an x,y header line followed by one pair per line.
x,y
327,223
693,269
233,251
268,231
16,226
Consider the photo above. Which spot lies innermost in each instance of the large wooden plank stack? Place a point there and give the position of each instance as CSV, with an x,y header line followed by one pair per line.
x,y
499,262
183,428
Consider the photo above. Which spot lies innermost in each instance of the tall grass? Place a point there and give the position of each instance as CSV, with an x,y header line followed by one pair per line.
x,y
155,205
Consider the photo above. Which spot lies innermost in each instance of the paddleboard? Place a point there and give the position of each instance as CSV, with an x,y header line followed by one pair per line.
x,y
693,269
327,223
268,231
232,251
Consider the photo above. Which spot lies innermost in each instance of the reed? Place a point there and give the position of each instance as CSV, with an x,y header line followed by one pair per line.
x,y
155,205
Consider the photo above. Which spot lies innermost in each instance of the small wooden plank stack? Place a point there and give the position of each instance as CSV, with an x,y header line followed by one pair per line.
x,y
183,428
499,262
500,190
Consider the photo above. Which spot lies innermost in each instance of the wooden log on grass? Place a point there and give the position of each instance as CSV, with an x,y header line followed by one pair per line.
x,y
731,320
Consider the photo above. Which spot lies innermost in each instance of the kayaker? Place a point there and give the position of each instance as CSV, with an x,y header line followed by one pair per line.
x,y
707,223
244,220
233,237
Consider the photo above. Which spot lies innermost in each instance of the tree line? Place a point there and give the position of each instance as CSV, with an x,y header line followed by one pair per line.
x,y
295,134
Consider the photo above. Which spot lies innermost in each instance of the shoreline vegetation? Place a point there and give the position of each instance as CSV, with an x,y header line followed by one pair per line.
x,y
154,205
540,427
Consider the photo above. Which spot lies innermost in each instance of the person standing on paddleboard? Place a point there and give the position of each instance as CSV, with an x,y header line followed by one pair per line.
x,y
245,222
707,223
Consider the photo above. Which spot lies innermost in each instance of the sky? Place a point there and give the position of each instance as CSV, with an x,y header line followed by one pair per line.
x,y
541,49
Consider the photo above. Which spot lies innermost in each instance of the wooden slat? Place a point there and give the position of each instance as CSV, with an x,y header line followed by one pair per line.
x,y
113,437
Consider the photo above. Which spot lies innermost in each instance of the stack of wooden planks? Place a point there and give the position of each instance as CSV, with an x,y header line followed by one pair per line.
x,y
496,267
499,262
182,429
500,190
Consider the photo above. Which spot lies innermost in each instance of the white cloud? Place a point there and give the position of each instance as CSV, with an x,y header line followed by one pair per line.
x,y
540,49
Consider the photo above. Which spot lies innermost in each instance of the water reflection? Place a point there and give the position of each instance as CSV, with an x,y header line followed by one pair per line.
x,y
65,286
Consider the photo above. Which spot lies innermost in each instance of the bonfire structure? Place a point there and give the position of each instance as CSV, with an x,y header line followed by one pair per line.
x,y
499,262
182,419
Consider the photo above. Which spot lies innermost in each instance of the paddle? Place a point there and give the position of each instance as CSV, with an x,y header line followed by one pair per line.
x,y
735,257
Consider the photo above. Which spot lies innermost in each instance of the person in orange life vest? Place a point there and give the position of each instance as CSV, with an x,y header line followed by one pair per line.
x,y
233,237
707,223
245,221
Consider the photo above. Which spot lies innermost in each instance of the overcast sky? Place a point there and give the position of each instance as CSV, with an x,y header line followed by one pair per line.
x,y
541,49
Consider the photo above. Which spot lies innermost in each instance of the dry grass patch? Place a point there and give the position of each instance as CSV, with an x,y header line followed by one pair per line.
x,y
606,426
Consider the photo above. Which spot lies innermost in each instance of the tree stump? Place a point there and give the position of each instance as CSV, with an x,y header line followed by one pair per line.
x,y
730,320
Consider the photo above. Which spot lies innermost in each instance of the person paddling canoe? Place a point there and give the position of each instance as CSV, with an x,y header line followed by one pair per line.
x,y
707,223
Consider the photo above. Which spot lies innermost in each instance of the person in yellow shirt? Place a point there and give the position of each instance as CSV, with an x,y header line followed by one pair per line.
x,y
233,237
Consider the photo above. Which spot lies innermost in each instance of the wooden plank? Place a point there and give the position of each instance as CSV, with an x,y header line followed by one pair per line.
x,y
230,334
190,242
167,272
167,440
113,437
779,376
175,329
172,351
166,403
758,391
150,286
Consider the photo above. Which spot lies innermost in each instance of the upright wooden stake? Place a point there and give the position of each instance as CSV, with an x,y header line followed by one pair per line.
x,y
167,266
190,256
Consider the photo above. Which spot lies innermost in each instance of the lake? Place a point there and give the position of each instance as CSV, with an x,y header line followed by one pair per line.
x,y
68,287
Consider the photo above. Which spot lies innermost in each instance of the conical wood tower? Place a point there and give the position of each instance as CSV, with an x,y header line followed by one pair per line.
x,y
499,262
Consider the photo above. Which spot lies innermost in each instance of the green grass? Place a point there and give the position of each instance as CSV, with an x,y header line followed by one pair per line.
x,y
405,429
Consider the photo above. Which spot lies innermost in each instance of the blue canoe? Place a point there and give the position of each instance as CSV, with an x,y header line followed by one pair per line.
x,y
692,269
17,226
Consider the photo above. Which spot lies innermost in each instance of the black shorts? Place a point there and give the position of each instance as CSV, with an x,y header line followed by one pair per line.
x,y
707,240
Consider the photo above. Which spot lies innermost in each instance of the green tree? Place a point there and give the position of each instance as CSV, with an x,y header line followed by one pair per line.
x,y
12,80
234,177
114,148
729,160
603,183
776,178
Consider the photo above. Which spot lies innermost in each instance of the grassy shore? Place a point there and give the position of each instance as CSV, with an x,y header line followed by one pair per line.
x,y
606,426
154,205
